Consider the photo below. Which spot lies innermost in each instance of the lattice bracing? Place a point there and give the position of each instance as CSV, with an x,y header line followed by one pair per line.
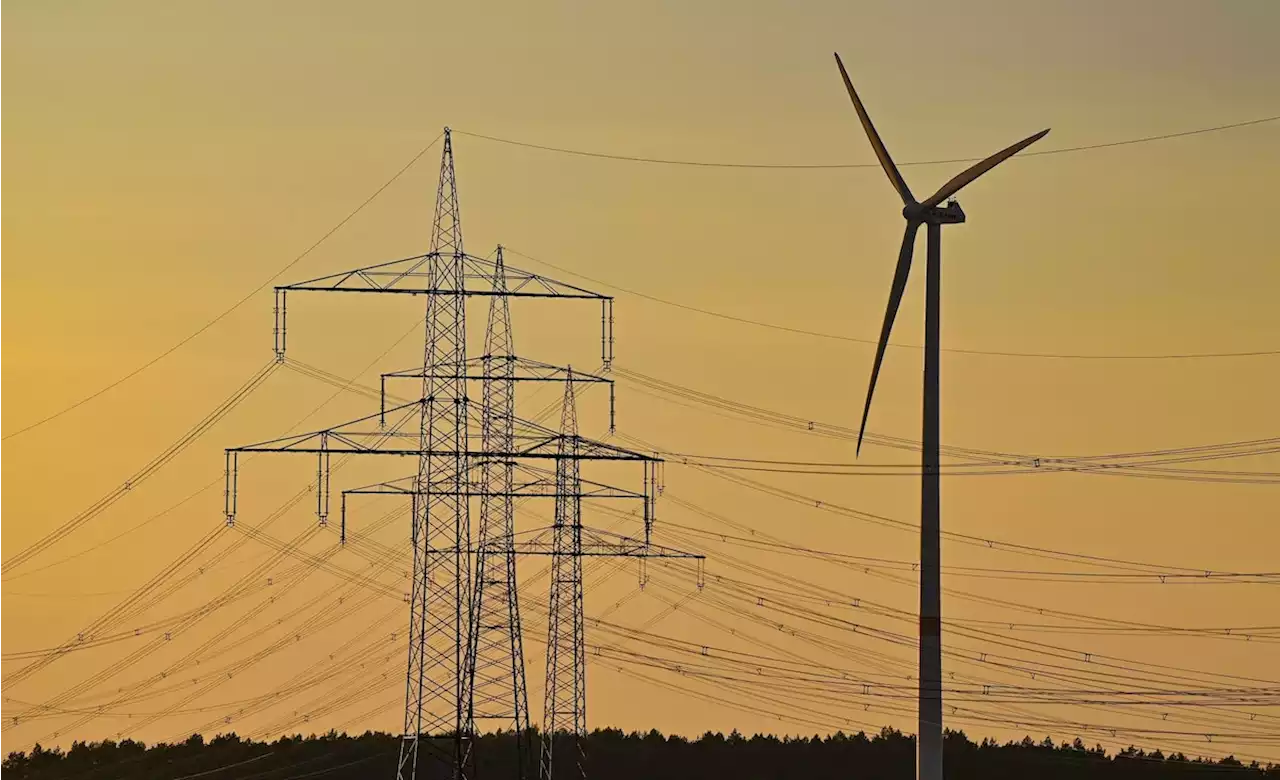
x,y
439,609
465,666
400,438
495,657
564,720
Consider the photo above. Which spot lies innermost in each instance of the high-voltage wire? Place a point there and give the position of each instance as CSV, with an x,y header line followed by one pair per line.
x,y
856,340
990,572
1093,463
340,382
989,664
148,470
830,597
135,604
845,166
205,656
150,648
968,539
226,312
1073,724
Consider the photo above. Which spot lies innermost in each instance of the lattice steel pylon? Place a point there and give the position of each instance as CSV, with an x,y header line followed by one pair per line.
x,y
436,699
452,649
564,718
495,661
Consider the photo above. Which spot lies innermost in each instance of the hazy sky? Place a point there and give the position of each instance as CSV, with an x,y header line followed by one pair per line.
x,y
166,158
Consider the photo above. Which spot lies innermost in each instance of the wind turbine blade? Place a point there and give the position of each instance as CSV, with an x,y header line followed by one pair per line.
x,y
882,153
891,311
966,177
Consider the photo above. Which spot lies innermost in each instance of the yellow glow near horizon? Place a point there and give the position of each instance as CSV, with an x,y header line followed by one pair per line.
x,y
163,159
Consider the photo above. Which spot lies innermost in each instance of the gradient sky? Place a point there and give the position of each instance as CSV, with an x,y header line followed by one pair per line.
x,y
164,159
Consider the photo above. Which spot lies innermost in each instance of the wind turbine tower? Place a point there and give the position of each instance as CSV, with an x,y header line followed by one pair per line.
x,y
933,215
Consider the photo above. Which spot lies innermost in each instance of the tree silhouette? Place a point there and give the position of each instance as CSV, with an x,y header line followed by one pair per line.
x,y
615,755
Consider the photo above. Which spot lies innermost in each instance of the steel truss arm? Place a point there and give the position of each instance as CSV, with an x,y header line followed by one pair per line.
x,y
522,370
411,276
535,442
364,436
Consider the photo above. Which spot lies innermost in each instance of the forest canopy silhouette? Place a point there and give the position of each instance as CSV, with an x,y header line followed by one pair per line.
x,y
614,755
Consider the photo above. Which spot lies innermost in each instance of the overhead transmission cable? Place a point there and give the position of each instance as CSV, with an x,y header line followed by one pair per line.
x,y
148,470
241,589
282,548
1150,465
989,663
830,597
1073,725
341,383
986,572
847,166
227,312
862,629
837,598
872,342
977,541
905,639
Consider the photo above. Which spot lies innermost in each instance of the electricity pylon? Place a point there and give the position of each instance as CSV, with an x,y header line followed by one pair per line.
x,y
565,704
495,657
465,655
440,600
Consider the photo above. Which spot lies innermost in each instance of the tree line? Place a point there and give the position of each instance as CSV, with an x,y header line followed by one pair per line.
x,y
610,754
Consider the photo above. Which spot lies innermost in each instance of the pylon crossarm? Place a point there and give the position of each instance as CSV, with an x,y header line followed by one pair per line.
x,y
583,449
407,411
500,369
357,436
524,370
465,659
351,433
589,488
403,486
340,446
602,550
411,276
531,489
518,282
600,544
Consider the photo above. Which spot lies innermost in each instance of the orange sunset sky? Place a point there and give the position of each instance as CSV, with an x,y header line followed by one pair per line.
x,y
164,159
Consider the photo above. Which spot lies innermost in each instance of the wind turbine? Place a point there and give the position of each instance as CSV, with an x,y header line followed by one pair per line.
x,y
928,212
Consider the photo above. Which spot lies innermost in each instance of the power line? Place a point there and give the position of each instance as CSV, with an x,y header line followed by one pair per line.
x,y
1152,465
227,312
847,166
801,633
985,572
988,661
875,519
150,469
856,340
340,382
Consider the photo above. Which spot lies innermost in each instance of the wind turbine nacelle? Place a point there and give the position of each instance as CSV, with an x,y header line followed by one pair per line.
x,y
950,214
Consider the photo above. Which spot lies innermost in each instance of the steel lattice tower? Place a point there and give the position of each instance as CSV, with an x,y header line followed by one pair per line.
x,y
565,707
495,663
465,646
439,606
